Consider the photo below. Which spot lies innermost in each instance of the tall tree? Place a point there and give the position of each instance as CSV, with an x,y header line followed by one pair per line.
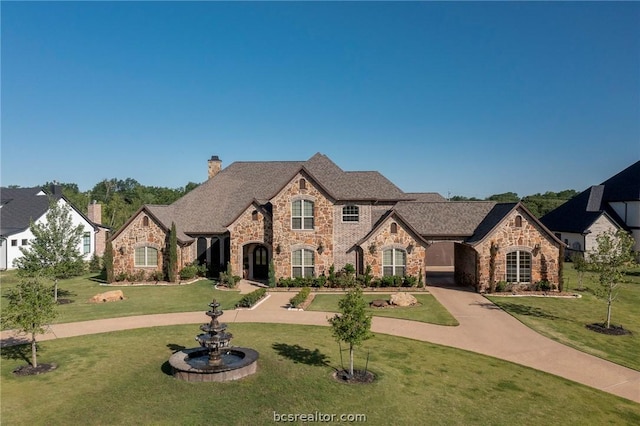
x,y
614,253
31,307
173,255
352,325
54,251
107,262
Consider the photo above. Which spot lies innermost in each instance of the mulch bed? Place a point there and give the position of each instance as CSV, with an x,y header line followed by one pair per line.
x,y
614,330
28,370
361,377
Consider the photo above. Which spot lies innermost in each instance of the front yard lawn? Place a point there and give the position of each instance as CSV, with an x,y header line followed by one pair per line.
x,y
139,300
123,378
429,309
565,320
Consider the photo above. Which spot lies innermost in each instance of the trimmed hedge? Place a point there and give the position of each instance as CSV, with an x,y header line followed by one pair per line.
x,y
250,299
299,298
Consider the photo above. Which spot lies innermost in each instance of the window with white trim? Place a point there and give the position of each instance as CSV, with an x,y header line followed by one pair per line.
x,y
519,267
146,256
351,213
302,263
302,214
394,262
86,243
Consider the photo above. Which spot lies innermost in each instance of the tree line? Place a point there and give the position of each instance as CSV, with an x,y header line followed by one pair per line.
x,y
120,198
538,204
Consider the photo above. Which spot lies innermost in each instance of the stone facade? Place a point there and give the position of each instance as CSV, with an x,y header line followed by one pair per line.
x,y
385,238
144,231
518,232
253,226
286,239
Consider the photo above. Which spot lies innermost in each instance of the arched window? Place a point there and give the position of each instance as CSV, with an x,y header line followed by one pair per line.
x,y
302,214
394,262
518,221
146,256
303,184
394,228
302,263
350,214
519,267
254,215
145,221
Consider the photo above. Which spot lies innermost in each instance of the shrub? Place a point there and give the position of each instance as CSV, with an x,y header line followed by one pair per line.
x,y
156,276
95,264
189,271
501,286
366,279
299,298
409,281
250,299
228,279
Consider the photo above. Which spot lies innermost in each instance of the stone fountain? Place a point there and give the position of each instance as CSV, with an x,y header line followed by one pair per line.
x,y
215,360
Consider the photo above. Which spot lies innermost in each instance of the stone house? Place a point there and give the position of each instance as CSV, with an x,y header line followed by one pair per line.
x,y
307,216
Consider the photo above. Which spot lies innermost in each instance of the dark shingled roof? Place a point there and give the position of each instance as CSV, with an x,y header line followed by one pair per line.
x,y
213,206
445,219
22,205
579,213
426,197
491,220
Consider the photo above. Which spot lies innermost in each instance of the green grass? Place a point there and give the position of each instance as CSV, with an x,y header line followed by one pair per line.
x,y
429,309
139,300
123,378
565,320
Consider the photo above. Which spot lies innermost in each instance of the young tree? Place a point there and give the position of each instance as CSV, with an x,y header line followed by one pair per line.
x,y
613,253
31,307
580,266
352,325
54,250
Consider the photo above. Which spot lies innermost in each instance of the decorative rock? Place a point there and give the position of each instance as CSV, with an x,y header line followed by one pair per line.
x,y
378,303
109,296
403,299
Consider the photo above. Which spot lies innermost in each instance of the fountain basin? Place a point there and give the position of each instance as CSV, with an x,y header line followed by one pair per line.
x,y
192,365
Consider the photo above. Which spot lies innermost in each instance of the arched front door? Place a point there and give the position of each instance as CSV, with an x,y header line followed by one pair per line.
x,y
260,263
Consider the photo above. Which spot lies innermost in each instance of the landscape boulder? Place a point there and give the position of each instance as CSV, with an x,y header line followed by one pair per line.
x,y
109,296
403,299
378,303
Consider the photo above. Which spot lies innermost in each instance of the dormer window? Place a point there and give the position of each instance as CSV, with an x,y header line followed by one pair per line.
x,y
350,214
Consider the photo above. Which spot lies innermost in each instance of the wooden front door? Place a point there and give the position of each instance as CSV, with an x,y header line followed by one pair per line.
x,y
260,263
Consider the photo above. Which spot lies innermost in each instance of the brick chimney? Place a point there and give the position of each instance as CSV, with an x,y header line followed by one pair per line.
x,y
94,212
215,165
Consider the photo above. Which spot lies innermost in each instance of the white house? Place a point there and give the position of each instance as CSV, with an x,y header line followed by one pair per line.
x,y
612,205
20,206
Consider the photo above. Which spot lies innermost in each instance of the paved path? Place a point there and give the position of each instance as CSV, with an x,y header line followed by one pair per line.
x,y
484,328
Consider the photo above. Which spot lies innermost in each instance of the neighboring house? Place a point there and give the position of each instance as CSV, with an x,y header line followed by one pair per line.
x,y
20,206
310,215
612,205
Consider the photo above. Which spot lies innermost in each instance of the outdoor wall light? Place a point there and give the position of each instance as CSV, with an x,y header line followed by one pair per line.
x,y
278,249
320,248
409,248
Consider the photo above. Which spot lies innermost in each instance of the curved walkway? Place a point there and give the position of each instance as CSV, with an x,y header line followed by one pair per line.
x,y
484,328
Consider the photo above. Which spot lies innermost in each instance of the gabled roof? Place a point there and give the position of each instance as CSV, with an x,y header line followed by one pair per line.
x,y
426,197
451,219
20,206
579,213
212,206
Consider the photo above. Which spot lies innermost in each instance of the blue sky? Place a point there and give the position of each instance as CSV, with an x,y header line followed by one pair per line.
x,y
465,98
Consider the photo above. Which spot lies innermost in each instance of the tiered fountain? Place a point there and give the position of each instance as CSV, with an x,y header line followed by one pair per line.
x,y
215,360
